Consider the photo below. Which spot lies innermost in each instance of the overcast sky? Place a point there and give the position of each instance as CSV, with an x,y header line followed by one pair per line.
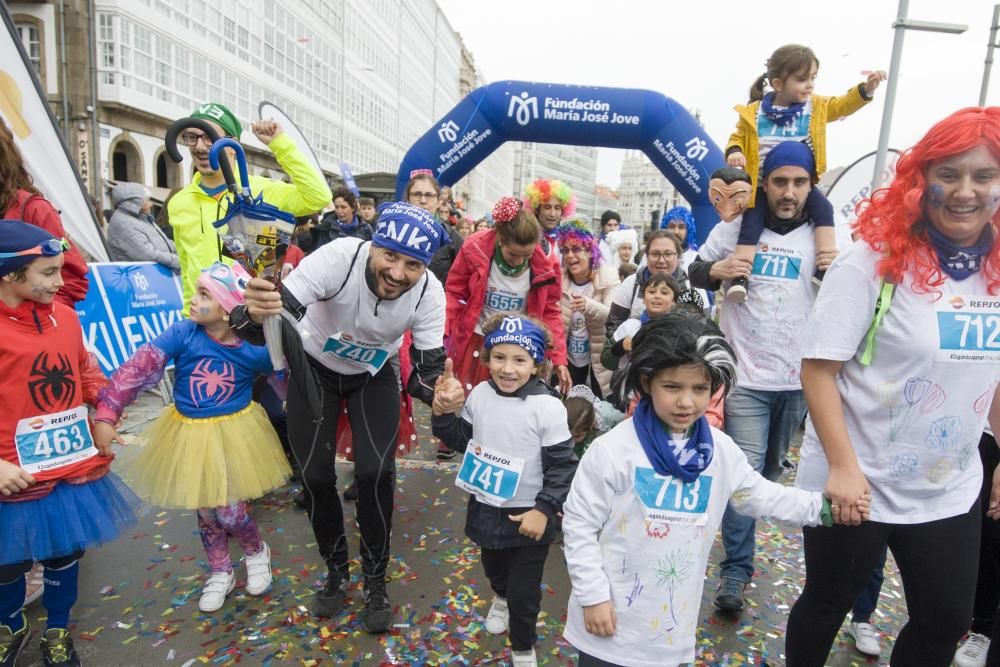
x,y
706,53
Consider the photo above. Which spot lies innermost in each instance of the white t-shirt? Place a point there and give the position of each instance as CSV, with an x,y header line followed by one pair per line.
x,y
653,570
766,329
517,427
915,415
363,325
578,340
504,293
770,135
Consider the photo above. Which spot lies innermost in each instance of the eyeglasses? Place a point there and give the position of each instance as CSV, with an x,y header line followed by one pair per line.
x,y
191,139
49,248
575,250
423,195
662,256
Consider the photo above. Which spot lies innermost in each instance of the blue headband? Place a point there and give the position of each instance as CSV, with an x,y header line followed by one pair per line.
x,y
790,154
408,230
521,332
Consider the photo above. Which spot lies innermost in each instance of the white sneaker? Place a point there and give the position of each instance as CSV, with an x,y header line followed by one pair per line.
x,y
259,575
736,294
524,658
213,595
498,618
865,638
972,651
34,583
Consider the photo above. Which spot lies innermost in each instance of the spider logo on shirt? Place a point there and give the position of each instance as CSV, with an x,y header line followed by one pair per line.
x,y
208,384
51,384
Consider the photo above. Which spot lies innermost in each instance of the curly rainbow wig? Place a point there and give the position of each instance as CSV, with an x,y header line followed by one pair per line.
x,y
892,222
544,190
577,231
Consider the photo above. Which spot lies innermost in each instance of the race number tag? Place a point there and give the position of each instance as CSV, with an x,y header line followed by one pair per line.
x,y
490,475
497,301
49,442
579,346
666,499
772,266
369,356
969,329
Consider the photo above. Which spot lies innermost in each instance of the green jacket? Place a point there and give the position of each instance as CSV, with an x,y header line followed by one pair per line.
x,y
191,212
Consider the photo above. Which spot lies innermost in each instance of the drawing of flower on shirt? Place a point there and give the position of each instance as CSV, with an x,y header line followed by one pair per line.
x,y
671,571
985,399
920,397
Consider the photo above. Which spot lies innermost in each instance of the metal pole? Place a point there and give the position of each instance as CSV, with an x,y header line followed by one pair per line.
x,y
890,93
989,55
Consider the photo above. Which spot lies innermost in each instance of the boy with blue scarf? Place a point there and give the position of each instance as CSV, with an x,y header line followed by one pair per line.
x,y
648,498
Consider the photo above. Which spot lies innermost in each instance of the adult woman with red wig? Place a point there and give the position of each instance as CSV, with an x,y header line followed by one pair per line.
x,y
900,372
502,269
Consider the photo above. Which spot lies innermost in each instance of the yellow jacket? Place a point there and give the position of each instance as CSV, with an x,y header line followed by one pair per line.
x,y
824,110
191,212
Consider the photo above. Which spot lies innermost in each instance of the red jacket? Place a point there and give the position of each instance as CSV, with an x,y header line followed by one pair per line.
x,y
466,292
36,210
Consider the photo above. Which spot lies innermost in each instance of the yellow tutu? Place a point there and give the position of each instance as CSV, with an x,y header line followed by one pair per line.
x,y
192,463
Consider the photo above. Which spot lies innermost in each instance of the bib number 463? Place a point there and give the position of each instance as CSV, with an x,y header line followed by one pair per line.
x,y
60,442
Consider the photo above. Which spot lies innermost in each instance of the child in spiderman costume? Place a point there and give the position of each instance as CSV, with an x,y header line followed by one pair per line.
x,y
57,497
214,449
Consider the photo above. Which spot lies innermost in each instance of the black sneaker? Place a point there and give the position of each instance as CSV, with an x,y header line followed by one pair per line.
x,y
12,643
300,500
730,595
351,492
445,454
57,649
332,598
377,614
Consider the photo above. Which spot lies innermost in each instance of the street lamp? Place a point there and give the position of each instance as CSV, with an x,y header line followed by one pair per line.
x,y
989,55
901,25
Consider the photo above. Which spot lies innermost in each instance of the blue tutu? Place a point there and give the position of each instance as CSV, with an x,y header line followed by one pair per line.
x,y
71,518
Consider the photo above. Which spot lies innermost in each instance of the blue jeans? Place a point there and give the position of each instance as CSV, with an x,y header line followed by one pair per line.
x,y
867,601
762,423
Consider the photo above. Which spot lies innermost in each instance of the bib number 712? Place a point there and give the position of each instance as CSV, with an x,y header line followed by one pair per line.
x,y
969,331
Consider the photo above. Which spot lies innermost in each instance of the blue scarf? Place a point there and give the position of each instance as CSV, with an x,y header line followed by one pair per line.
x,y
350,226
780,116
960,263
659,448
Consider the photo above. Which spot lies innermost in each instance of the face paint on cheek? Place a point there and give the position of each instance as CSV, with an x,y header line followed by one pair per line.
x,y
204,311
993,200
935,196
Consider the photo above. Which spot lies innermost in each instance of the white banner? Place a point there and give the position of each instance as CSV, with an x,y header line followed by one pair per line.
x,y
24,108
853,186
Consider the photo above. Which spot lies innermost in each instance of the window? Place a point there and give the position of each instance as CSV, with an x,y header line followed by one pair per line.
x,y
32,41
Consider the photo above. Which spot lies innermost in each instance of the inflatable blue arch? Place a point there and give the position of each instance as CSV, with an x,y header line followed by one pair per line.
x,y
576,115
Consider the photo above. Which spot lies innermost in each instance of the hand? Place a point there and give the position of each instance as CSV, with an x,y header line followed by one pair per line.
x,y
449,396
736,159
577,303
993,511
600,619
874,79
262,299
849,494
533,523
13,478
627,344
104,435
730,267
266,130
824,258
565,381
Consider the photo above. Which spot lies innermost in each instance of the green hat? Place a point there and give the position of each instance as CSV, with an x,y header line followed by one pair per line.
x,y
221,116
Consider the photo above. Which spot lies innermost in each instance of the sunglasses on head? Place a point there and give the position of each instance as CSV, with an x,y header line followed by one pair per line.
x,y
48,248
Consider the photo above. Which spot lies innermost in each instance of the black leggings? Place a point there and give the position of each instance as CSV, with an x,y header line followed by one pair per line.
x,y
516,574
373,406
937,562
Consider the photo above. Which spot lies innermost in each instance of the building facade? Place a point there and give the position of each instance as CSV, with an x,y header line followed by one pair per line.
x,y
643,192
574,165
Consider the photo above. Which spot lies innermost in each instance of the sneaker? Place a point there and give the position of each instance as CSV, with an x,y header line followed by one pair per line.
x,y
332,598
351,492
445,454
524,658
737,292
300,500
259,575
57,648
213,595
730,595
12,643
972,651
34,583
865,638
377,614
498,618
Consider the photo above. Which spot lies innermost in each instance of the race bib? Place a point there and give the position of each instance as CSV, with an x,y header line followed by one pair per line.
x,y
969,329
49,442
368,356
490,475
579,347
498,301
666,499
771,266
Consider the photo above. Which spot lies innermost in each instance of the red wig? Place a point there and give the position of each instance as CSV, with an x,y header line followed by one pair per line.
x,y
892,222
